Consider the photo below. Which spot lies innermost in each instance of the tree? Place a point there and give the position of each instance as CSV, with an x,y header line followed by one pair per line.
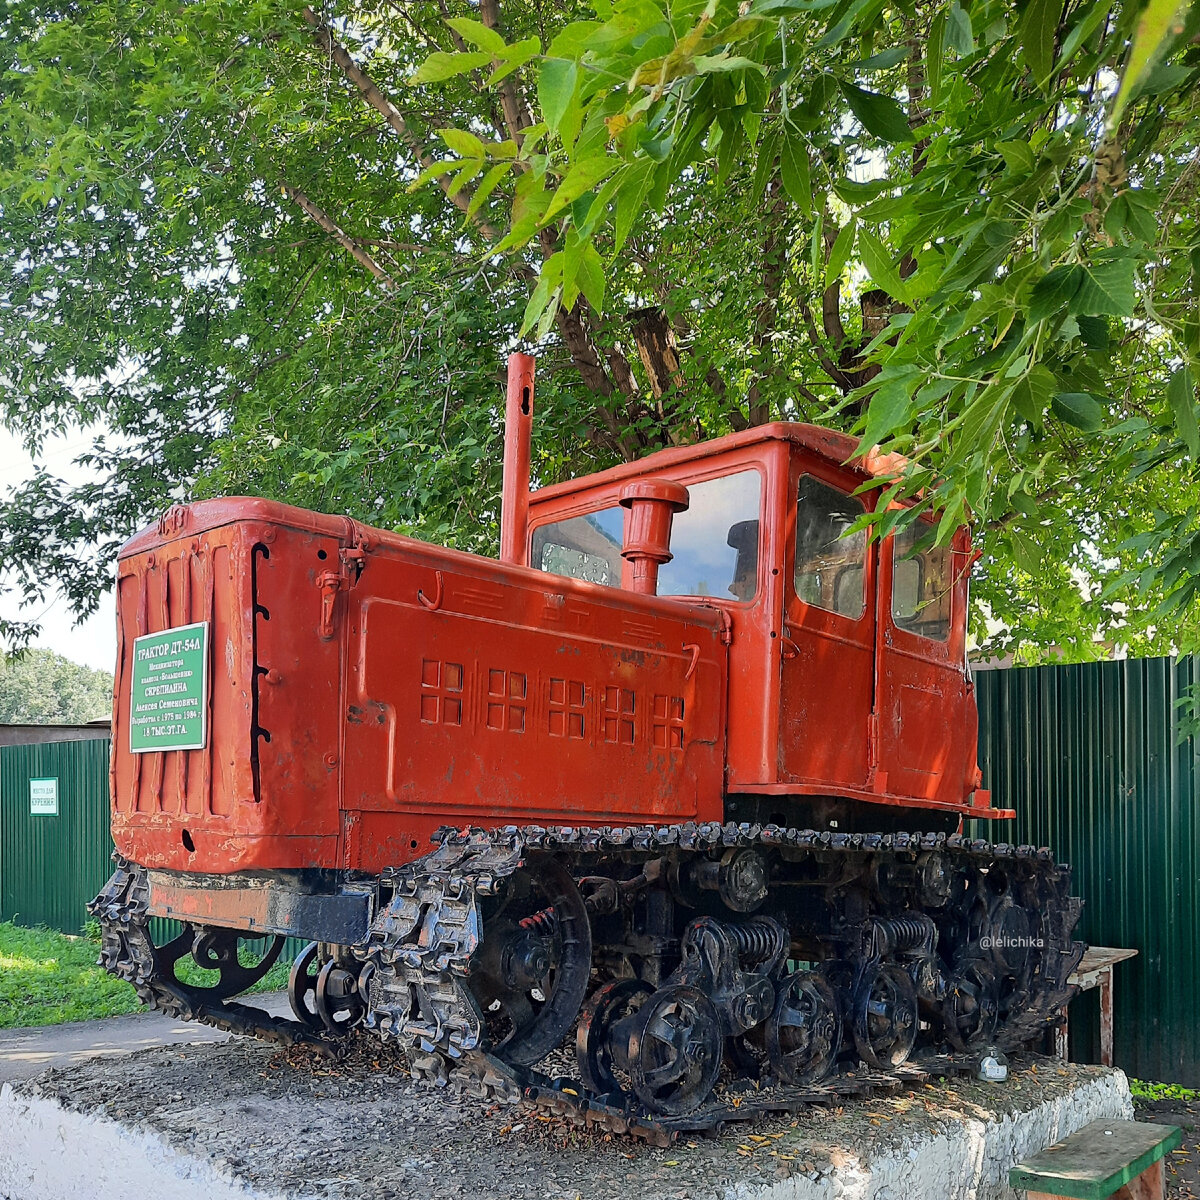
x,y
909,223
40,687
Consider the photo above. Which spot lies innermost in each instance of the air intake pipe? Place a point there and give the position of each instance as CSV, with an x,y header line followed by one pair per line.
x,y
652,505
518,426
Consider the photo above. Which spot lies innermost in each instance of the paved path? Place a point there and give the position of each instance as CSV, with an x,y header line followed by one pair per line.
x,y
26,1052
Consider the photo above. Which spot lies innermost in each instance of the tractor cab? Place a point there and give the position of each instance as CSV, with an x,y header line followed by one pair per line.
x,y
847,657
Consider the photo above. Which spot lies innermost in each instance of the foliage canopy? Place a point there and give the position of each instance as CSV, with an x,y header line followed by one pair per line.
x,y
40,687
269,249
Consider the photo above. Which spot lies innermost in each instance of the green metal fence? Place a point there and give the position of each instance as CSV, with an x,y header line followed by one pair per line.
x,y
1089,757
53,862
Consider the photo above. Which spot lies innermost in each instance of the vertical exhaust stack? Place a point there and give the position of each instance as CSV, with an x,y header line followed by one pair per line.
x,y
518,427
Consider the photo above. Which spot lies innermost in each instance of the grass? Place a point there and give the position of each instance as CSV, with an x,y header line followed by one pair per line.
x,y
1147,1090
48,978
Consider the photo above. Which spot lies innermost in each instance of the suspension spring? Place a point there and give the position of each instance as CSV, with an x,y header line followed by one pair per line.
x,y
891,935
544,922
761,940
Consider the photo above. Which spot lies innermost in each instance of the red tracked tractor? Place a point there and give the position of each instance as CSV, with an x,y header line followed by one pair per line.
x,y
664,801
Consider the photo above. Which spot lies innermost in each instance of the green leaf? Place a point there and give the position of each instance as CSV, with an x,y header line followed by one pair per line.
x,y
487,185
934,58
883,60
1079,409
1181,395
590,276
853,192
793,169
878,261
556,90
1094,332
1033,393
840,254
629,201
441,66
959,35
1053,290
1027,553
890,404
1106,289
581,178
544,295
1018,156
1155,27
1038,29
479,35
515,57
878,114
464,144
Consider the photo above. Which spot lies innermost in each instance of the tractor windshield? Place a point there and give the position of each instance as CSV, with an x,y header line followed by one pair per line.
x,y
714,543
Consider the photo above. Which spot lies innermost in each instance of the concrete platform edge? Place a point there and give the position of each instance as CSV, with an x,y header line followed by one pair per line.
x,y
48,1152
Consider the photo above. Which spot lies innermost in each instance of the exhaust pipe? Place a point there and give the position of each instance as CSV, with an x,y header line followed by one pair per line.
x,y
518,428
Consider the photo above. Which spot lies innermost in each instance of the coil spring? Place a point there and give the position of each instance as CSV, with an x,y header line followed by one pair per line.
x,y
903,933
544,922
758,940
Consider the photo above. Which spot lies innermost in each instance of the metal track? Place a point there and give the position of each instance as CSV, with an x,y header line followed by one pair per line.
x,y
422,941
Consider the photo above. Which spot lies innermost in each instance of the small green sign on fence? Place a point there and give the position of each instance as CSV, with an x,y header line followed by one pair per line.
x,y
168,700
43,797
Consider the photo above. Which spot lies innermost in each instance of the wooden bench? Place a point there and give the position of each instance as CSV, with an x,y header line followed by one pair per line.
x,y
1122,1159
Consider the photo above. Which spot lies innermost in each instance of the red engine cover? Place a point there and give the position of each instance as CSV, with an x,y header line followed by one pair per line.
x,y
365,688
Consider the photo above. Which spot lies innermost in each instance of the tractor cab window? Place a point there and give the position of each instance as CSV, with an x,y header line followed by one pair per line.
x,y
587,547
922,583
830,566
714,543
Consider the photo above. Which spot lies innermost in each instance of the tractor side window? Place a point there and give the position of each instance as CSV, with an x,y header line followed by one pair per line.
x,y
714,543
830,567
922,582
587,547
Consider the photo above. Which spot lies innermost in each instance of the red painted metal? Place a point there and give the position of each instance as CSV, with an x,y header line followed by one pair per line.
x,y
367,688
652,504
518,429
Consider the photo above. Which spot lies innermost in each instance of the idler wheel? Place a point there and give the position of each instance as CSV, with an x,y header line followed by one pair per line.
x,y
302,986
336,998
530,974
675,1050
884,1016
804,1034
594,1045
971,1008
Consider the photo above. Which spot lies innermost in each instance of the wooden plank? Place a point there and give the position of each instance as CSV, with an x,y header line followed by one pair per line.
x,y
1097,1160
1096,958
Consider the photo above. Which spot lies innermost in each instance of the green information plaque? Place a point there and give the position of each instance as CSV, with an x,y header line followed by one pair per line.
x,y
168,697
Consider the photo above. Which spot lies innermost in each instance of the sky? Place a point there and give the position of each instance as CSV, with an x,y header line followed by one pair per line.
x,y
94,642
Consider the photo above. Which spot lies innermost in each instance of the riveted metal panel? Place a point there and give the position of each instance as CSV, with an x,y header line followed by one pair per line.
x,y
1089,757
51,866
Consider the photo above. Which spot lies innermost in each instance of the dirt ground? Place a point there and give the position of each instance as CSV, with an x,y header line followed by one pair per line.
x,y
1183,1165
362,1130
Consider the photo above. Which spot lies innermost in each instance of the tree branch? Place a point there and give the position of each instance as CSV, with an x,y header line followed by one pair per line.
x,y
516,111
324,38
338,234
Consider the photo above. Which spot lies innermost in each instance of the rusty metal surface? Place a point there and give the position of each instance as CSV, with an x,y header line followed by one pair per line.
x,y
367,687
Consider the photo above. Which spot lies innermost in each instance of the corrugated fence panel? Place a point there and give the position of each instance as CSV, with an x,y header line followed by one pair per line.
x,y
52,865
1089,757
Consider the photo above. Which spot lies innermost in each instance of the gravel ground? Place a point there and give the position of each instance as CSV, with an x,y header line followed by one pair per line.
x,y
362,1130
1183,1165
